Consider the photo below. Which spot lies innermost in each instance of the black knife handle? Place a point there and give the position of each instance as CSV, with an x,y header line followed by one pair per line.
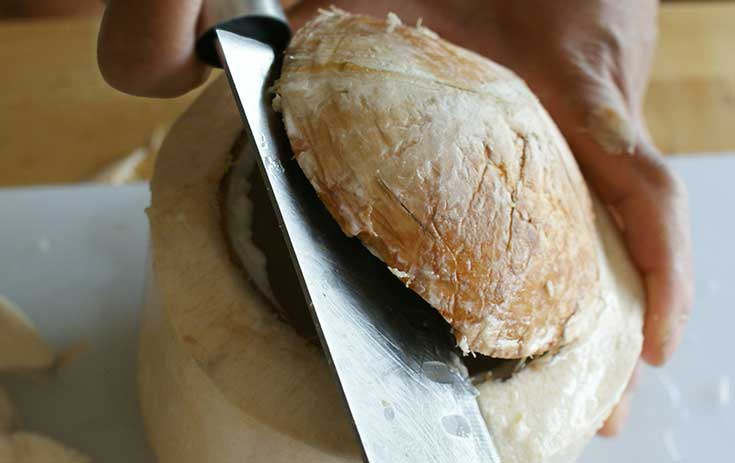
x,y
262,20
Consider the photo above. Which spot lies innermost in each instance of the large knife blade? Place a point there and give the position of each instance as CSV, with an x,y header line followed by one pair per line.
x,y
393,356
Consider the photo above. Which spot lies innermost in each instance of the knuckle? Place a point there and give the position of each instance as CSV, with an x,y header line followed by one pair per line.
x,y
149,79
660,176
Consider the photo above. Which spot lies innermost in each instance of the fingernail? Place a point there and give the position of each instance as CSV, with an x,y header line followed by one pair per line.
x,y
670,333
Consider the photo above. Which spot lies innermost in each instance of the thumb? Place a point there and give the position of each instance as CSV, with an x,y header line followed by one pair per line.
x,y
146,47
609,123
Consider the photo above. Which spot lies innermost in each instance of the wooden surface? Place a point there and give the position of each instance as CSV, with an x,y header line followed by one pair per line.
x,y
59,122
691,100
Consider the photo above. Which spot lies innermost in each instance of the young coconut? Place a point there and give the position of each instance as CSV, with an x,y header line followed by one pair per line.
x,y
222,378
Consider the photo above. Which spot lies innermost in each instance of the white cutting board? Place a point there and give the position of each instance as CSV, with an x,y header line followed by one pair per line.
x,y
73,258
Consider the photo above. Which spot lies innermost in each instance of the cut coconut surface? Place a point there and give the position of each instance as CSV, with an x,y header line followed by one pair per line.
x,y
21,347
222,378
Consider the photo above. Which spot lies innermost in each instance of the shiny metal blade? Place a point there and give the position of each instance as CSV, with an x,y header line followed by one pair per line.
x,y
392,354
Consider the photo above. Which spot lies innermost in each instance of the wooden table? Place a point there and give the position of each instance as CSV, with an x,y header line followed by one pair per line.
x,y
691,100
59,122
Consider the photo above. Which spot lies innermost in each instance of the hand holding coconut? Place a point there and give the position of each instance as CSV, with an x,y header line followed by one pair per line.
x,y
587,61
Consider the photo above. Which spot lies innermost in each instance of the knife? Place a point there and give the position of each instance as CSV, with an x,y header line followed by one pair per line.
x,y
393,356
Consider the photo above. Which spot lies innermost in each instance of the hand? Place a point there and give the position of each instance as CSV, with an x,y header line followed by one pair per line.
x,y
589,63
146,47
587,60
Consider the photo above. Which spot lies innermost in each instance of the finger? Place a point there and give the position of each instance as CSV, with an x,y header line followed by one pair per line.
x,y
651,202
671,289
146,47
615,422
669,302
619,416
655,212
645,195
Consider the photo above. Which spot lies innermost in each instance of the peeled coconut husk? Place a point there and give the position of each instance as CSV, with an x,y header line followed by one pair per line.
x,y
21,347
223,379
446,166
